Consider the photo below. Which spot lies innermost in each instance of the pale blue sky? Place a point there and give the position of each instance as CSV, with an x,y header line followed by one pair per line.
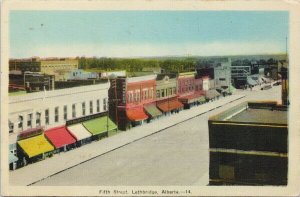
x,y
146,33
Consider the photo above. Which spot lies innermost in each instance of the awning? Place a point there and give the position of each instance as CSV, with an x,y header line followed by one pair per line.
x,y
79,131
169,105
232,89
201,99
12,158
136,114
99,125
59,136
250,81
210,94
190,98
35,145
152,110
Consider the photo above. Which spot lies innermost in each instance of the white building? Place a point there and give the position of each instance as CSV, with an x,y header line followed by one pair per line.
x,y
54,108
80,74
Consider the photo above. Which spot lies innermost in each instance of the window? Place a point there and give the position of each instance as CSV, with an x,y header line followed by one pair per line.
x,y
29,120
47,116
174,90
222,79
20,125
56,114
104,104
98,105
157,94
10,127
91,107
65,112
38,119
73,111
162,93
83,108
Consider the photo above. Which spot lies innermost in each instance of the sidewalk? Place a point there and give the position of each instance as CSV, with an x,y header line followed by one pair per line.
x,y
60,162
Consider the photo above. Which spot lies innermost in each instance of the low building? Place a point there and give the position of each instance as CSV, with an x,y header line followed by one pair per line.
x,y
50,109
50,66
166,93
80,74
113,74
190,89
248,145
30,81
127,98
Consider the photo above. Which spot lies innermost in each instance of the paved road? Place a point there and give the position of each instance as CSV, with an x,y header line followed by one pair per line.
x,y
175,156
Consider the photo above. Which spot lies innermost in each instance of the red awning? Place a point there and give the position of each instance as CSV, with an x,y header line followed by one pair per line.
x,y
169,105
190,98
136,114
59,136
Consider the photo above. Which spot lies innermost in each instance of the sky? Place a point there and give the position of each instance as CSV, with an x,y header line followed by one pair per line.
x,y
146,33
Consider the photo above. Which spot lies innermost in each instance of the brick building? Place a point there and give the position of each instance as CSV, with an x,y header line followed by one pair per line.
x,y
190,89
127,98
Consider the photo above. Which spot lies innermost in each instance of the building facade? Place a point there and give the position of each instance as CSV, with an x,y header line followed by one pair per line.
x,y
248,145
51,66
127,98
190,89
49,109
166,93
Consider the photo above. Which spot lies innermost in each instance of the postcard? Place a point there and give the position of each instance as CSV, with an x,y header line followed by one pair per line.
x,y
150,98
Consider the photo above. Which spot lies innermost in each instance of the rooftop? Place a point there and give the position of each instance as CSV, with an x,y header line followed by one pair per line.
x,y
254,112
260,116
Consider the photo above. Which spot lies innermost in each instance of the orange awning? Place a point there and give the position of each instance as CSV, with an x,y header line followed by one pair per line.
x,y
136,114
169,105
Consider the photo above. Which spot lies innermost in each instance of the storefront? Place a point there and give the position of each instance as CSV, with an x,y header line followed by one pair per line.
x,y
60,138
191,100
136,115
170,106
212,95
81,134
35,148
99,127
152,111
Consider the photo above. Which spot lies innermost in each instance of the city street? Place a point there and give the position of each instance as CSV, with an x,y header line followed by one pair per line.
x,y
177,155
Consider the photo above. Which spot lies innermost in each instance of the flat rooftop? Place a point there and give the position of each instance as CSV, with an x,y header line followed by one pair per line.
x,y
260,116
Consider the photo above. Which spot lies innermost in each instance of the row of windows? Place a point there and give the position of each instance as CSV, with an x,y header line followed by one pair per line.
x,y
56,114
138,96
165,92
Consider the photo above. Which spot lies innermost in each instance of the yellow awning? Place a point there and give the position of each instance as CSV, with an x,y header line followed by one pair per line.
x,y
35,145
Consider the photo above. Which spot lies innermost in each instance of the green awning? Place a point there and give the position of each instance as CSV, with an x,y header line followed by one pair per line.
x,y
12,158
99,125
231,89
152,110
201,99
